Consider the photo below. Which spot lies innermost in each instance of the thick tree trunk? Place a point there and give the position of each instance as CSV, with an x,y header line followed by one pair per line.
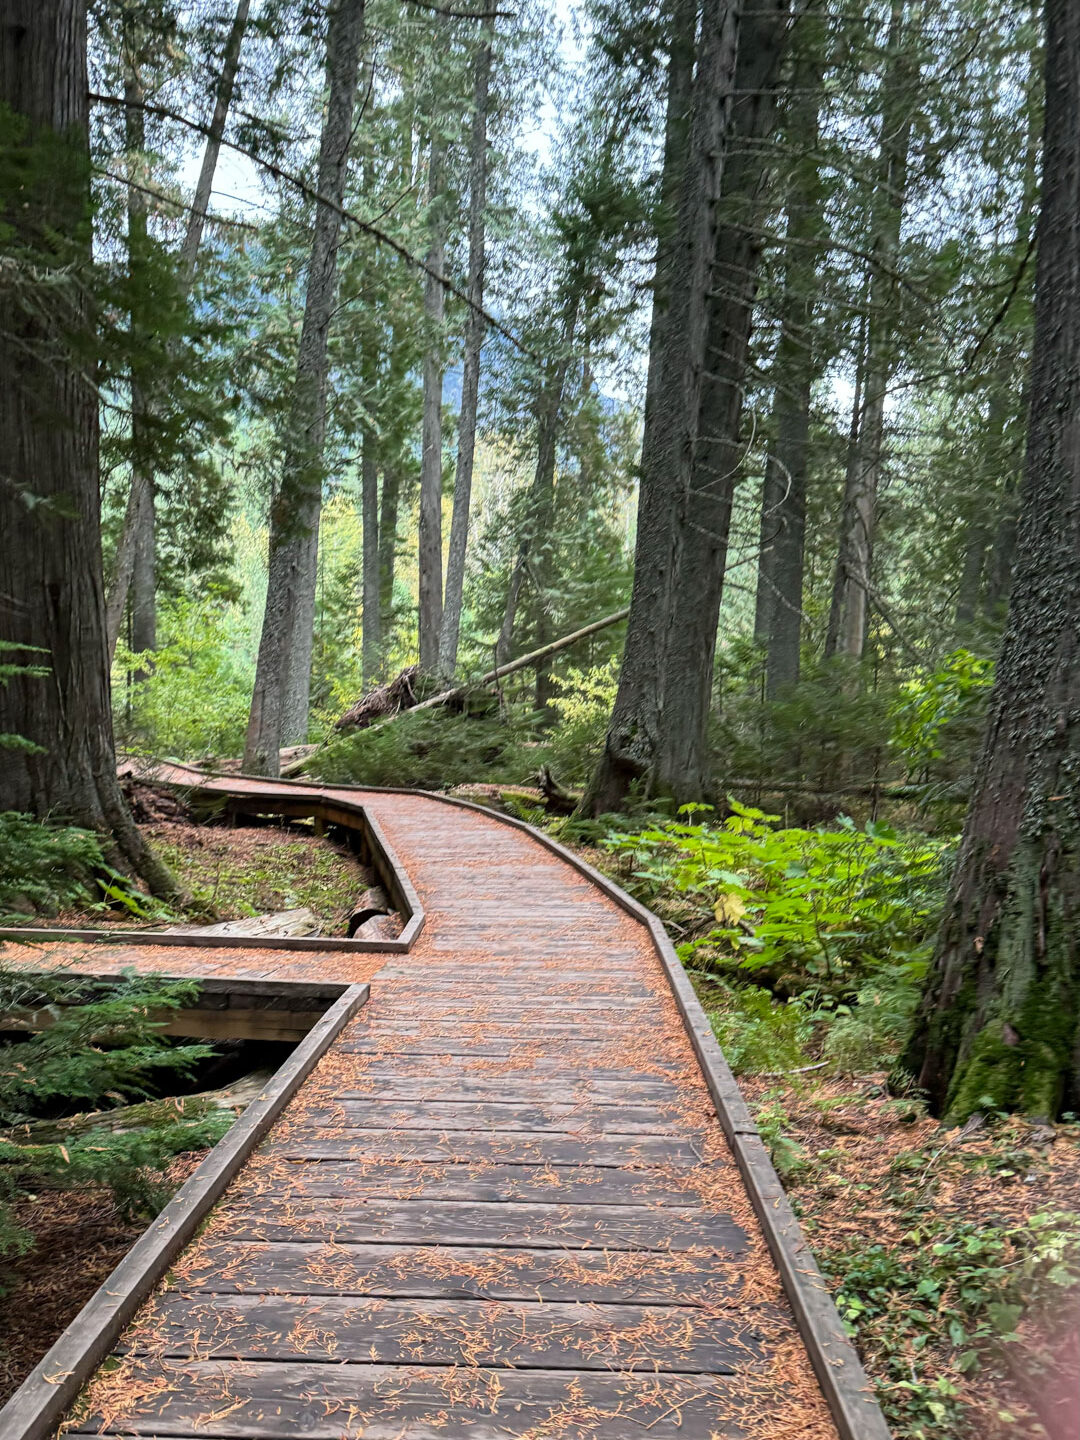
x,y
51,592
659,727
778,621
430,557
681,765
1000,1021
136,549
279,704
475,328
847,623
672,417
143,535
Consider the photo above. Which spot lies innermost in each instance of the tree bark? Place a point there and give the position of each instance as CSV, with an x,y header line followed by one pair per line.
x,y
848,615
778,621
681,763
143,536
475,329
136,548
388,523
371,627
279,703
51,591
540,514
998,1027
230,63
658,734
671,419
371,638
430,558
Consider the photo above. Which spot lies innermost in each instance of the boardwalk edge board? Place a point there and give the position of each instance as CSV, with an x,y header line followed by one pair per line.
x,y
39,1404
848,1391
389,868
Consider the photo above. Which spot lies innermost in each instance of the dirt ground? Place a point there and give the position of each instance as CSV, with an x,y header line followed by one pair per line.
x,y
80,1238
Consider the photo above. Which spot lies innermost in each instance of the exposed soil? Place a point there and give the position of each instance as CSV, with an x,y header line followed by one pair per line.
x,y
80,1237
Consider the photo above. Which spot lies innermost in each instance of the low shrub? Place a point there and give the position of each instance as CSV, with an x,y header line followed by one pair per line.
x,y
102,1049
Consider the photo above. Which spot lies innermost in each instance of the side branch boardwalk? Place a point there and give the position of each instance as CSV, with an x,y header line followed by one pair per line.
x,y
501,1205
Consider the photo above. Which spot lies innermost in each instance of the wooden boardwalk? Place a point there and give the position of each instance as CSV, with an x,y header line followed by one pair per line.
x,y
501,1204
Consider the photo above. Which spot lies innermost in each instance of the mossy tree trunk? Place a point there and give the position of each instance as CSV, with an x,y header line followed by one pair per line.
x,y
998,1026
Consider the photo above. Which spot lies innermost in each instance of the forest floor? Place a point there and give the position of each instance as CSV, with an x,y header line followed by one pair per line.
x,y
235,872
925,1234
80,1236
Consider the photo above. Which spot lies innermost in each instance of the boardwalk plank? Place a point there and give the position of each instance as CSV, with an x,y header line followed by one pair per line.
x,y
300,1180
421,1271
223,1400
444,1222
510,1146
546,1336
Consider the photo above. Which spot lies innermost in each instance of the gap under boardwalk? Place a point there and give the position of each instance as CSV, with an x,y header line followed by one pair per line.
x,y
500,1206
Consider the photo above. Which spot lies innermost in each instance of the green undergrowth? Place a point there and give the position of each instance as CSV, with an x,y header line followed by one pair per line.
x,y
45,869
483,744
808,948
804,943
436,750
102,1048
230,874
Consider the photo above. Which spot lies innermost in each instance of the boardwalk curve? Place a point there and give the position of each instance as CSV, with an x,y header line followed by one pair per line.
x,y
517,1195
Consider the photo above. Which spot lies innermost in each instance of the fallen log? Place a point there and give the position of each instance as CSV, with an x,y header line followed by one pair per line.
x,y
373,904
383,702
174,1109
280,922
460,692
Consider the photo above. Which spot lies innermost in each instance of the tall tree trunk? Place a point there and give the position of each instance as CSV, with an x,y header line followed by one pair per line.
x,y
540,513
681,763
143,537
778,621
430,559
230,63
138,528
371,631
279,703
682,28
659,727
388,523
475,328
672,416
999,1025
847,624
51,591
371,638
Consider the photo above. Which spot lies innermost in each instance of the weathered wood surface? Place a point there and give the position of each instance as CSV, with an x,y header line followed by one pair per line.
x,y
279,922
502,1205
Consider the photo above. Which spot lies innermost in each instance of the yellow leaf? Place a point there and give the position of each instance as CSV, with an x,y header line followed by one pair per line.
x,y
729,909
